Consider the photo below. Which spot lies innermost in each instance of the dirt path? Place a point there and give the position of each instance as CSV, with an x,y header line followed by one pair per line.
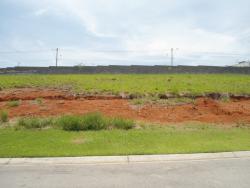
x,y
62,102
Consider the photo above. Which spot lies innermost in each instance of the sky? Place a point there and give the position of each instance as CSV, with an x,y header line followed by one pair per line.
x,y
124,32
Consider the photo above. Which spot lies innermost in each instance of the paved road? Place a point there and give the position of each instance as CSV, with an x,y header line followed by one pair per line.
x,y
226,173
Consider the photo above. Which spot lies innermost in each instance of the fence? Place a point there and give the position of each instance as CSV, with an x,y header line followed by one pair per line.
x,y
126,70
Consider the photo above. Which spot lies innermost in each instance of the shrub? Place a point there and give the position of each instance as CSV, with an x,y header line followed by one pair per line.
x,y
225,98
69,123
92,121
39,101
4,116
34,123
14,103
120,123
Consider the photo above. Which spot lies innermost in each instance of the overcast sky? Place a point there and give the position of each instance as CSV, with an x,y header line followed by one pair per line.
x,y
93,32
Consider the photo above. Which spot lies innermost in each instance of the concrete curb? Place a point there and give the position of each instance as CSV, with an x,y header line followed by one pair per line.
x,y
124,159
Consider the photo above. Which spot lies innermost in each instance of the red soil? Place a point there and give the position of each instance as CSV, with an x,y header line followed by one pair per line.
x,y
62,102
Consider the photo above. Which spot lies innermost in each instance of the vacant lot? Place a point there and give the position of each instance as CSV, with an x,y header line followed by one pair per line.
x,y
167,100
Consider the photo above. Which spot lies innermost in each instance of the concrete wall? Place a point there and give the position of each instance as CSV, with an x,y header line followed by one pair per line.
x,y
126,70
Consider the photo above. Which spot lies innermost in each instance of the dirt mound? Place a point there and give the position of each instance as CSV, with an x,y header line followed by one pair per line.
x,y
31,94
54,94
63,102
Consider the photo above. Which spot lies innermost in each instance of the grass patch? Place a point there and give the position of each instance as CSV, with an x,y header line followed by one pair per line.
x,y
194,84
87,122
158,101
154,140
34,123
70,123
120,123
15,103
92,121
4,116
39,101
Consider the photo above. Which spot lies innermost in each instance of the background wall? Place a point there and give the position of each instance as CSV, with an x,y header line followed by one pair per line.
x,y
125,70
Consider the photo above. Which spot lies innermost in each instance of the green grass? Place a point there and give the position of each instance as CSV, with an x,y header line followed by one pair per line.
x,y
156,100
135,84
14,103
158,140
90,121
121,123
39,101
34,123
4,116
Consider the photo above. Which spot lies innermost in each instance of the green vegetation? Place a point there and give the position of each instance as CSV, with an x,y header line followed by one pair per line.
x,y
156,100
141,85
120,123
91,121
74,135
147,140
70,123
4,116
34,123
14,103
39,101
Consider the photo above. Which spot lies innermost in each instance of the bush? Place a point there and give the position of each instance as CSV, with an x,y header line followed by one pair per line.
x,y
120,123
4,116
34,123
39,101
69,123
14,103
92,121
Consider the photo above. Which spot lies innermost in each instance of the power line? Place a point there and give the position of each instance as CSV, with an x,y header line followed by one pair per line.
x,y
113,51
81,55
119,51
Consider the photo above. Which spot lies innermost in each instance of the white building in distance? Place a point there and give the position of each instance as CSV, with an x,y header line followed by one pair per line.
x,y
242,64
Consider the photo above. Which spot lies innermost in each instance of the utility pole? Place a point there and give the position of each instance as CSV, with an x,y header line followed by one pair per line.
x,y
57,56
172,57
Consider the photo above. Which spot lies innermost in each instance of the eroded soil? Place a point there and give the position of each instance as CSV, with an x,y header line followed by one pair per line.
x,y
59,102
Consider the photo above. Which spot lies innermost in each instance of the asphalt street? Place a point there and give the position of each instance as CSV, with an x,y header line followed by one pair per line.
x,y
226,173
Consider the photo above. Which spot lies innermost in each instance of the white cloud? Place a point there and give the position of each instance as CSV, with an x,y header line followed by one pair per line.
x,y
41,11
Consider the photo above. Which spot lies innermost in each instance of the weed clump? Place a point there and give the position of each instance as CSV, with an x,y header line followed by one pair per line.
x,y
120,123
14,103
39,101
4,116
91,121
34,123
87,122
94,121
69,123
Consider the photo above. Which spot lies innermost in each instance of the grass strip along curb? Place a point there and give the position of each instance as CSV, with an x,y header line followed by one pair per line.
x,y
30,140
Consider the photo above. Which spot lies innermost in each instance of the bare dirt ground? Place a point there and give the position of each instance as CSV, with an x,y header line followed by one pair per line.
x,y
59,102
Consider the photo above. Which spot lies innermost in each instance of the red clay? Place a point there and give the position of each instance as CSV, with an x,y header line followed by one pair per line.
x,y
61,102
